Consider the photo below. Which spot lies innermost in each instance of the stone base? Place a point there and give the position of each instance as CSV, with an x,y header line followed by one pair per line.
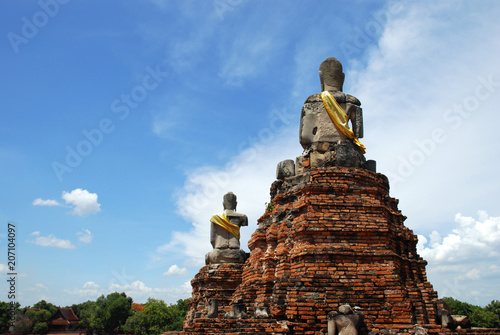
x,y
214,281
220,256
345,154
334,236
283,327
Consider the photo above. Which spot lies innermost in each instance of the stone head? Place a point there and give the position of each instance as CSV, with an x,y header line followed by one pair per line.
x,y
229,201
345,309
331,75
357,310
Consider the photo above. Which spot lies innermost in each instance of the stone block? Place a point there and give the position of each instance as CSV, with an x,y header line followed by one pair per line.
x,y
218,256
299,165
285,169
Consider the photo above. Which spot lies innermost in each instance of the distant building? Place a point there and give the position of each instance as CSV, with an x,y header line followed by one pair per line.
x,y
63,320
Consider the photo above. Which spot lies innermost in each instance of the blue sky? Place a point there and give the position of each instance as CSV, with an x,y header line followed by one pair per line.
x,y
123,124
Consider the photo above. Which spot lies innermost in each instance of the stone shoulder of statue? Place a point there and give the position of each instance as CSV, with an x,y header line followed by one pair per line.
x,y
241,218
341,98
351,99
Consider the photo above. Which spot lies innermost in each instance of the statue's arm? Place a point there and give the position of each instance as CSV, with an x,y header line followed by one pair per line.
x,y
244,221
212,234
357,122
355,114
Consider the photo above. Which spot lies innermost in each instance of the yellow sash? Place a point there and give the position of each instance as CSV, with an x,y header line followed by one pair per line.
x,y
222,221
339,118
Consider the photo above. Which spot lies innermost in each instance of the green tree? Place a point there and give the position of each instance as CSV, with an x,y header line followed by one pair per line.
x,y
41,328
460,308
5,314
106,314
157,317
483,318
30,313
42,315
42,304
90,318
486,317
117,309
23,323
78,308
494,307
136,324
180,311
39,317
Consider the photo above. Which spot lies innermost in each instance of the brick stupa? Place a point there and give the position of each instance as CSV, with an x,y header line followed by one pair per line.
x,y
331,236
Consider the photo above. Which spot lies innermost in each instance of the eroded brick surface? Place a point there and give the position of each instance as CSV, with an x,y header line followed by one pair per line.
x,y
334,236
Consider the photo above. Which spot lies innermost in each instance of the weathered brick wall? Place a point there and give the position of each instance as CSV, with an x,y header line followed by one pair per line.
x,y
334,236
217,281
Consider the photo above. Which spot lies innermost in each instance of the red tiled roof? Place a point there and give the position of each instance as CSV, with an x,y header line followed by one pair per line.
x,y
68,314
63,316
58,322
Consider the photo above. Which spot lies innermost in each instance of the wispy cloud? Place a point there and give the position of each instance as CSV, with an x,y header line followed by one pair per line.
x,y
37,288
85,236
52,241
202,194
405,93
408,96
246,58
49,202
138,290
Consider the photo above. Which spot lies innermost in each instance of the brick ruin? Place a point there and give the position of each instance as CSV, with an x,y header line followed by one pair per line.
x,y
334,236
330,236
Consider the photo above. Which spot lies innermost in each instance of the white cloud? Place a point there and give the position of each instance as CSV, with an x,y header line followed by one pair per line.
x,y
174,270
84,203
86,236
165,123
416,74
49,202
52,241
35,233
90,290
3,268
37,288
473,274
137,289
141,292
247,58
410,88
203,191
41,287
465,259
471,239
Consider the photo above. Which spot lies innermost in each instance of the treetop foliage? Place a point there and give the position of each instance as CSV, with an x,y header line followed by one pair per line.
x,y
112,314
487,317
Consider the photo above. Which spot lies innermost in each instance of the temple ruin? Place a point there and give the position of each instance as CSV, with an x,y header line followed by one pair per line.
x,y
331,254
